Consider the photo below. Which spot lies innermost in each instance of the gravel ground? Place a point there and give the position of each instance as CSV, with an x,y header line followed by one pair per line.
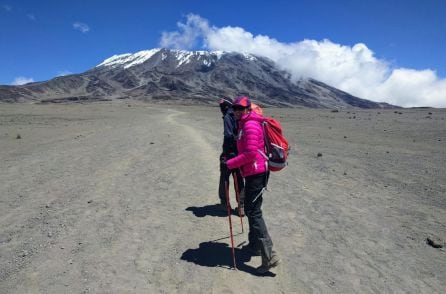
x,y
120,197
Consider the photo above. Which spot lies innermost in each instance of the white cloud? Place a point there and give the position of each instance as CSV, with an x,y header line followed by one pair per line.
x,y
409,87
188,35
353,69
22,81
83,27
31,16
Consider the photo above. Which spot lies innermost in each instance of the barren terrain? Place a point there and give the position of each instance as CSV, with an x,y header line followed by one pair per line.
x,y
119,197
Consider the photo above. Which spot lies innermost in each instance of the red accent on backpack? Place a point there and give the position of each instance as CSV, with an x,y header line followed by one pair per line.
x,y
276,145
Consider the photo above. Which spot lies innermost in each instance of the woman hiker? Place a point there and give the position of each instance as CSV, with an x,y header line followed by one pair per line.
x,y
254,168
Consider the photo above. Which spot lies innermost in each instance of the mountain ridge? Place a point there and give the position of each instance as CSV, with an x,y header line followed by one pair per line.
x,y
187,77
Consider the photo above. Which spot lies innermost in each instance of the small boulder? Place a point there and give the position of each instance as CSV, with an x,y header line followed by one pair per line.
x,y
435,242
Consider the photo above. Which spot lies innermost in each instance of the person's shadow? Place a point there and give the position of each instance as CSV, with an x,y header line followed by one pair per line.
x,y
210,210
215,254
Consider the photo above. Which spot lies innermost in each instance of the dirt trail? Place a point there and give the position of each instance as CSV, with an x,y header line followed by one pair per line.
x,y
107,198
109,203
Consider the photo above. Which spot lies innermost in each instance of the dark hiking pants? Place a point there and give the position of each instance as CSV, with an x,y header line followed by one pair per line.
x,y
225,174
258,233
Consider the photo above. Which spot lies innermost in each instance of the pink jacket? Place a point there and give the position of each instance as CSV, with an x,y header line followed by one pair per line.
x,y
250,146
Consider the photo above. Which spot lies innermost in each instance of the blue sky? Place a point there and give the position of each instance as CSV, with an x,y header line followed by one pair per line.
x,y
386,50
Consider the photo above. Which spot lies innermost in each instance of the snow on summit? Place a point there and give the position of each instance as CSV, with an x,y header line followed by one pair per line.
x,y
128,60
183,57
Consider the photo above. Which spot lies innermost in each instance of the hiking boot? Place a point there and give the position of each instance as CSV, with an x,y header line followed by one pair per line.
x,y
253,251
268,264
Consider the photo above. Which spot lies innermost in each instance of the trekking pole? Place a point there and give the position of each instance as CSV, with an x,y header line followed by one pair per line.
x,y
230,222
237,196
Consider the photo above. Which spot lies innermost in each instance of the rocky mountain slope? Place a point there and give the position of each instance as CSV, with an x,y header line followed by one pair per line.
x,y
177,76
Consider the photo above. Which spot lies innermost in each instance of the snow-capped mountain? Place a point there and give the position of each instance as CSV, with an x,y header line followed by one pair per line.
x,y
188,77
